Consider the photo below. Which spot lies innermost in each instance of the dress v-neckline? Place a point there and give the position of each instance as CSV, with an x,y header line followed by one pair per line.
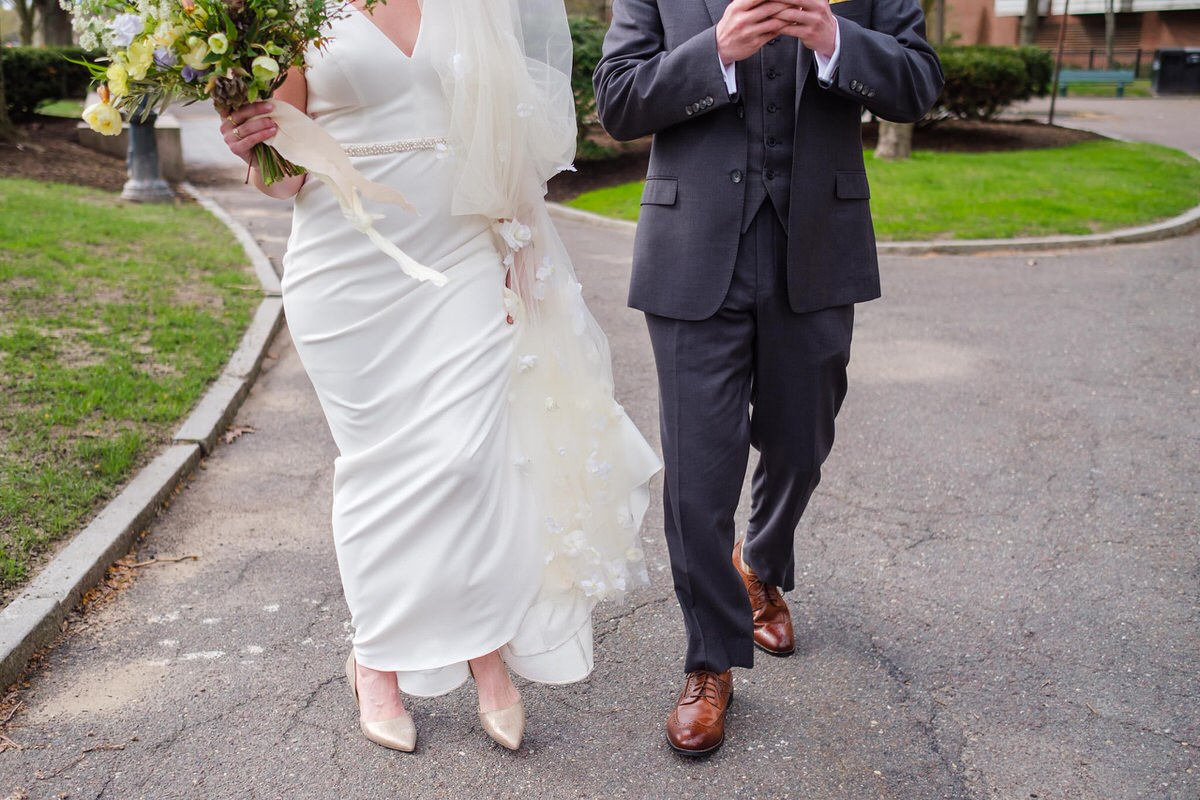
x,y
416,41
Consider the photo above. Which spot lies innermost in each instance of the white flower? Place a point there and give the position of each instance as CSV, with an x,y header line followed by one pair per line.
x,y
551,404
591,588
526,363
599,469
545,269
265,69
125,27
575,542
553,526
524,110
514,233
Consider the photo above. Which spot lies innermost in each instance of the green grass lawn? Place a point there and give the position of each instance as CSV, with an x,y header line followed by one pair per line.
x,y
1083,188
114,318
1139,88
70,109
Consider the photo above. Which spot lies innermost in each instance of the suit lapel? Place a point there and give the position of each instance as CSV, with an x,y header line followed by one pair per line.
x,y
804,63
716,9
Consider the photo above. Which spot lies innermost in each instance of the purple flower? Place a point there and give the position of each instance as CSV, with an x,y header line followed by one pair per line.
x,y
164,57
126,27
191,75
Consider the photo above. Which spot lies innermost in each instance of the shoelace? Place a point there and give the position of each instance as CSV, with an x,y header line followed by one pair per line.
x,y
702,685
764,594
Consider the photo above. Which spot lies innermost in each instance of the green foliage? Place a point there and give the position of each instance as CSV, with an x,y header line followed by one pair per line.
x,y
982,80
33,75
114,320
1039,68
1082,188
587,38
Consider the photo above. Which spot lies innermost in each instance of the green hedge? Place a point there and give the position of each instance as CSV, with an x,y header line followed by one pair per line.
x,y
33,75
587,38
982,80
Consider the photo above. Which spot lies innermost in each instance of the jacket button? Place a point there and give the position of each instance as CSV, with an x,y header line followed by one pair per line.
x,y
772,141
736,176
854,85
773,41
689,111
708,100
772,74
772,108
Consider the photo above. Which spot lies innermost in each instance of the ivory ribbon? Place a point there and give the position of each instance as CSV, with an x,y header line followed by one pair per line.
x,y
302,141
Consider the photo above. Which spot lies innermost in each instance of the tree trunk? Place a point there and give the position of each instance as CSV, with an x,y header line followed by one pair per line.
x,y
895,141
25,12
56,23
7,132
939,26
1029,23
1110,32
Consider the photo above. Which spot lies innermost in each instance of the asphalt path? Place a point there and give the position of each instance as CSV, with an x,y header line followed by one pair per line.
x,y
997,581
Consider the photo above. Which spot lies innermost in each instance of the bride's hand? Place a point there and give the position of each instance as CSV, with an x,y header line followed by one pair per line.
x,y
242,132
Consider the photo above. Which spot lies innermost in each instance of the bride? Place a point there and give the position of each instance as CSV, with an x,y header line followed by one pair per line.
x,y
488,489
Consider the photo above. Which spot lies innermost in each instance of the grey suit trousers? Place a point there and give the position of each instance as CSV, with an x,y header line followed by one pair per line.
x,y
755,374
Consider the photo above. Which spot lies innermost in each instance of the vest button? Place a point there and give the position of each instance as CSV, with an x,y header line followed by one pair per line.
x,y
772,141
772,74
773,41
772,108
769,174
736,176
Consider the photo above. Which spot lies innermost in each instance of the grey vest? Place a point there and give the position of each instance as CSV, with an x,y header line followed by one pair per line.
x,y
767,83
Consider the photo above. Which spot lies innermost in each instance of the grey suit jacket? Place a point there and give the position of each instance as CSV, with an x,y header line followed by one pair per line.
x,y
659,74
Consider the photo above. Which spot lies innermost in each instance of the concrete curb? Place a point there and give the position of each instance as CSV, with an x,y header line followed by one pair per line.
x,y
34,618
1175,226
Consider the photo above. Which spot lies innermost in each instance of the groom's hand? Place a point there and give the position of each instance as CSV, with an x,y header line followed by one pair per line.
x,y
747,25
812,22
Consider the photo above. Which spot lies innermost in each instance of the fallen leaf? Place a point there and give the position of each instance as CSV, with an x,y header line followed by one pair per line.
x,y
235,432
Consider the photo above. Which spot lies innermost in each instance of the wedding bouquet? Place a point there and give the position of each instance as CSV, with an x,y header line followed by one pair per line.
x,y
232,52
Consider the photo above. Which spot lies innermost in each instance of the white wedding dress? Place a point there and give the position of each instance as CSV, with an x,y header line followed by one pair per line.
x,y
446,542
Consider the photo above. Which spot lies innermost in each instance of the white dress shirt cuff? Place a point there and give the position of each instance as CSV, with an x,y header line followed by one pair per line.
x,y
730,73
827,66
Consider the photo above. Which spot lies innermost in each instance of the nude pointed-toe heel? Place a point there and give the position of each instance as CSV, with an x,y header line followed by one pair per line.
x,y
397,733
506,726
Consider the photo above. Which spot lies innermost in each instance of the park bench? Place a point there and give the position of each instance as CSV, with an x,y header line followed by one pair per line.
x,y
1118,76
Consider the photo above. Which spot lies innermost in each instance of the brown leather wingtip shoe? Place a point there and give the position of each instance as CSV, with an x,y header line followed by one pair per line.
x,y
697,725
773,632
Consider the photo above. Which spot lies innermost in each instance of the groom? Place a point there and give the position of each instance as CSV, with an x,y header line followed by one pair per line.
x,y
754,243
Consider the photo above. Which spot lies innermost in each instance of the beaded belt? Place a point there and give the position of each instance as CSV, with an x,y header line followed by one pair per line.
x,y
402,146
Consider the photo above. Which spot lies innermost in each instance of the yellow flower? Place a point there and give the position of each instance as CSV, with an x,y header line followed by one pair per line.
x,y
218,43
141,57
103,118
118,79
166,34
266,69
197,52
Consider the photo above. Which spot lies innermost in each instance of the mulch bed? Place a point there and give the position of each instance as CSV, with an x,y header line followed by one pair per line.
x,y
48,152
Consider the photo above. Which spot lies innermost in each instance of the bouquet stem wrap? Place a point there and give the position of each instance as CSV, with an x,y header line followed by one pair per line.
x,y
300,140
